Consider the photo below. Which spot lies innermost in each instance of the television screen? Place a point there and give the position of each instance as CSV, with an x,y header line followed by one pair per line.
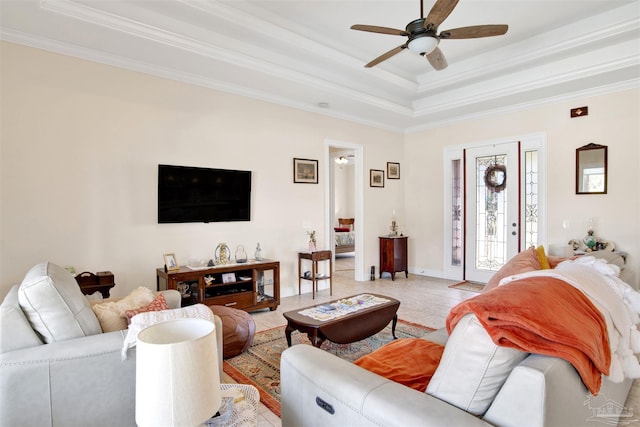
x,y
191,194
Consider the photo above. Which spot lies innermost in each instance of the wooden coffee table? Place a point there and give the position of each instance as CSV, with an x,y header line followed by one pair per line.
x,y
349,328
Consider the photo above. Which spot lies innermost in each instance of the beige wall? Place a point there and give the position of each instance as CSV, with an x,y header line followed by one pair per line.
x,y
612,121
80,145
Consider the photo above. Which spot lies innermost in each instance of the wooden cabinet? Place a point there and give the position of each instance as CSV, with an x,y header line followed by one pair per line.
x,y
248,286
393,255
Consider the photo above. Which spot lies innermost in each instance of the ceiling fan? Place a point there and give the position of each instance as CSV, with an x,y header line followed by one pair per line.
x,y
423,34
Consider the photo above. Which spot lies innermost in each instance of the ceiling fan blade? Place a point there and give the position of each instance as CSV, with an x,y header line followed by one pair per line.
x,y
474,32
386,56
376,29
437,59
438,13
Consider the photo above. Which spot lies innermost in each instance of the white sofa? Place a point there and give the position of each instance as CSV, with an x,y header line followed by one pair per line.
x,y
65,372
476,381
539,391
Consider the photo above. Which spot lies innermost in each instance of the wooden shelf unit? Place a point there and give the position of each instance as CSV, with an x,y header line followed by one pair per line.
x,y
250,286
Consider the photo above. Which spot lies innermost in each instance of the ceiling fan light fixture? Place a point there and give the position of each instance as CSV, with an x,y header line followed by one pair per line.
x,y
342,160
423,44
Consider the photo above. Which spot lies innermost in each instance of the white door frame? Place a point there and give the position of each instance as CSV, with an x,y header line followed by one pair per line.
x,y
358,193
528,142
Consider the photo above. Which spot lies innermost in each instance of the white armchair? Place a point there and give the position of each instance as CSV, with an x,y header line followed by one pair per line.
x,y
71,382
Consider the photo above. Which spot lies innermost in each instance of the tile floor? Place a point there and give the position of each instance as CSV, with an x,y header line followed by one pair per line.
x,y
424,300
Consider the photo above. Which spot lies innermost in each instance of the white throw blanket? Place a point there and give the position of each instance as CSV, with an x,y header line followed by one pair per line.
x,y
144,320
618,302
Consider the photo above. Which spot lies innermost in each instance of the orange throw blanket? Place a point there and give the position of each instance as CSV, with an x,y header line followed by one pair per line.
x,y
408,361
544,315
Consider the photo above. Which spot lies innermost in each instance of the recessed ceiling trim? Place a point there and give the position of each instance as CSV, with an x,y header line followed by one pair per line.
x,y
219,11
279,52
528,105
553,43
526,82
131,27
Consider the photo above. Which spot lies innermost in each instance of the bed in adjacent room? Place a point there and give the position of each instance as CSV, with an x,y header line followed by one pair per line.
x,y
345,236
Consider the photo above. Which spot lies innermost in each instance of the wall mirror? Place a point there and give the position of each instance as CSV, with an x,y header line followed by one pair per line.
x,y
591,169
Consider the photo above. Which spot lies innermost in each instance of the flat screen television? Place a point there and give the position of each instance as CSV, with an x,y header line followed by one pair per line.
x,y
192,194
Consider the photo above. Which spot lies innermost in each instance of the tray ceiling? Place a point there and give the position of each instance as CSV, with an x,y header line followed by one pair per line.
x,y
302,53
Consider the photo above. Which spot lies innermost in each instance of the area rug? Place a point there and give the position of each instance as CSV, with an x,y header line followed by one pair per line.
x,y
260,365
469,286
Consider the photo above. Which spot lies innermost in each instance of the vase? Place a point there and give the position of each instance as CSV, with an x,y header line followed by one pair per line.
x,y
312,246
258,255
590,240
241,255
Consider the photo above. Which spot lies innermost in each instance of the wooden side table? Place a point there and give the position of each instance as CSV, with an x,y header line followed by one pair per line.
x,y
393,255
101,282
314,257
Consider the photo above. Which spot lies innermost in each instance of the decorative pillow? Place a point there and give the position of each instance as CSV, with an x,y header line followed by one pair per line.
x,y
542,257
150,318
54,304
473,368
111,314
525,261
158,304
408,361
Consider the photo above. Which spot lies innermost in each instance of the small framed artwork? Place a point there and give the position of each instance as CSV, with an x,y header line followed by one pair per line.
x,y
170,262
393,170
228,277
376,178
305,171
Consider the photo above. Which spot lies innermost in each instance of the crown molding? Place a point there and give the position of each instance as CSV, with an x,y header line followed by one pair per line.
x,y
512,75
524,106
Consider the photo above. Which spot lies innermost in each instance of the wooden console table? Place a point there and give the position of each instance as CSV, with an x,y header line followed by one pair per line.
x,y
314,257
249,286
393,255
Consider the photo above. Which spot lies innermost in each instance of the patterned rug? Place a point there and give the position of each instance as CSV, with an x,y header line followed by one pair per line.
x,y
469,286
260,365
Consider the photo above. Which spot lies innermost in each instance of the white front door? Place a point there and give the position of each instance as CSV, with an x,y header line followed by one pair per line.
x,y
492,209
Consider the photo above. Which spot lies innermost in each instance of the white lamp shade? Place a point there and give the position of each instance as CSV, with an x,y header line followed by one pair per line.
x,y
423,45
177,378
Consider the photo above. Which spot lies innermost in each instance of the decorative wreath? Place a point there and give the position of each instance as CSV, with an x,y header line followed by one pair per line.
x,y
490,178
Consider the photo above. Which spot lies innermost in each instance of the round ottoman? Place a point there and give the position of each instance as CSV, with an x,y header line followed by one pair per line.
x,y
237,329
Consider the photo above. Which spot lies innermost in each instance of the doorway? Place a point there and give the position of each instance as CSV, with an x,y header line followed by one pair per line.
x,y
492,192
494,204
356,192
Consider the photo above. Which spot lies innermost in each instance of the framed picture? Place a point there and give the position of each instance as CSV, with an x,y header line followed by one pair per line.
x,y
228,277
376,178
305,171
170,262
393,170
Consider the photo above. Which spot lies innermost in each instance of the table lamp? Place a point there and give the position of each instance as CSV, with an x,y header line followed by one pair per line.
x,y
177,377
